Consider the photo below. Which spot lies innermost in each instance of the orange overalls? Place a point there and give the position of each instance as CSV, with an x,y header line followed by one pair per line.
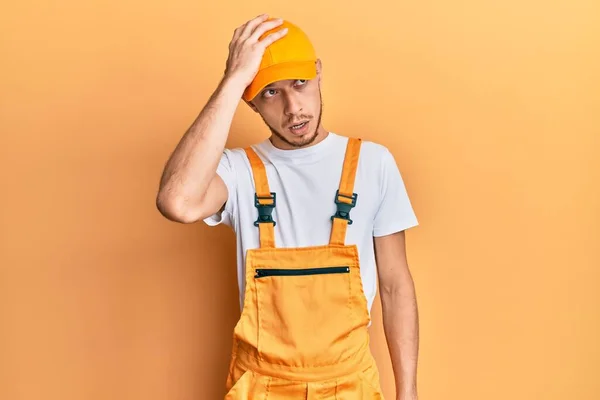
x,y
302,333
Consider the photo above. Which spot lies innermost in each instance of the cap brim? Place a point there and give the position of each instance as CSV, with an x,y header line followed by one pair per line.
x,y
280,72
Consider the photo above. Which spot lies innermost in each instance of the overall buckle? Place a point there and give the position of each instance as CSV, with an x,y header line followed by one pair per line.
x,y
343,209
265,211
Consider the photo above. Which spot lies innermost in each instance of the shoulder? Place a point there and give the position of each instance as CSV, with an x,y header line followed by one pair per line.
x,y
369,150
239,153
374,149
236,156
376,155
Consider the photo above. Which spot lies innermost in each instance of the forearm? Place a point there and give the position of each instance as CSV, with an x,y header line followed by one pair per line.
x,y
192,165
400,320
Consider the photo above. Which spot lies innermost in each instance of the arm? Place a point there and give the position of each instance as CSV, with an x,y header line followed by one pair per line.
x,y
400,315
190,188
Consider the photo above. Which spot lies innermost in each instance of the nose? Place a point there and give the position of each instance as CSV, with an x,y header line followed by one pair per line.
x,y
292,105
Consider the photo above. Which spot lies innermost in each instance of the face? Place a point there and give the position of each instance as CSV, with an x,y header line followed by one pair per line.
x,y
292,110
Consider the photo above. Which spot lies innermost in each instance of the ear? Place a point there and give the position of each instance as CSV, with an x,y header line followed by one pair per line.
x,y
319,69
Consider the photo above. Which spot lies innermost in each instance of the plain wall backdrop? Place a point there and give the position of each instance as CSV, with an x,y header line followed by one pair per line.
x,y
491,109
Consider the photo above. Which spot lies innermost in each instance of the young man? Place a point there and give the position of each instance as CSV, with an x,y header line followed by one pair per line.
x,y
319,217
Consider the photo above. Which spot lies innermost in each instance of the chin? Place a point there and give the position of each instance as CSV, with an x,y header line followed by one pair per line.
x,y
297,140
307,138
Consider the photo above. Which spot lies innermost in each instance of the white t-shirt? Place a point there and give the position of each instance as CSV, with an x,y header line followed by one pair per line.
x,y
305,182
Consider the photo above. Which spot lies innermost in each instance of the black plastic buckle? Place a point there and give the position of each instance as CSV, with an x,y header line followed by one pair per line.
x,y
343,209
265,211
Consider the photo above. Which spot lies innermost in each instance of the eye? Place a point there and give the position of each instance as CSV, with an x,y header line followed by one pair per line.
x,y
301,82
268,93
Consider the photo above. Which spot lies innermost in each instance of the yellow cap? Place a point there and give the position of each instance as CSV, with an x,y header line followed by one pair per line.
x,y
290,57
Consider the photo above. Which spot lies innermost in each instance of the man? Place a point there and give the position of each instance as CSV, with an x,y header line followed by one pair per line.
x,y
319,217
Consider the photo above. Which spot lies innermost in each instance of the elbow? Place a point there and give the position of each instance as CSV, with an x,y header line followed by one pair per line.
x,y
389,290
176,209
396,285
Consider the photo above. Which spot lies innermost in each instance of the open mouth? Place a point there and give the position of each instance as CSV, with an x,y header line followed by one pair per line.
x,y
299,128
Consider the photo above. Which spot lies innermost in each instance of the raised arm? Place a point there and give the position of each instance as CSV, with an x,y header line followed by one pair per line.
x,y
190,188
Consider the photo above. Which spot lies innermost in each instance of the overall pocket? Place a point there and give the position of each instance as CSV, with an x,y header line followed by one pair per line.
x,y
241,387
262,272
304,314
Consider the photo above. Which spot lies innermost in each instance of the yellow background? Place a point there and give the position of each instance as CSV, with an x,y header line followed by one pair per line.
x,y
490,107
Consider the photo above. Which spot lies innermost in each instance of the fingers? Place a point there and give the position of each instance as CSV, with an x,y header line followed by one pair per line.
x,y
236,35
264,27
252,30
240,29
251,26
265,42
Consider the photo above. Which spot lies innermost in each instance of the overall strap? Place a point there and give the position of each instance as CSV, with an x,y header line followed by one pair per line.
x,y
345,198
264,200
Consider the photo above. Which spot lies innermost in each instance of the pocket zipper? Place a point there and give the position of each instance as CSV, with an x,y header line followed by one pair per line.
x,y
262,272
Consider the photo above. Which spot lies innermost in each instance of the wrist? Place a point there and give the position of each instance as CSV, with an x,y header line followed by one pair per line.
x,y
233,83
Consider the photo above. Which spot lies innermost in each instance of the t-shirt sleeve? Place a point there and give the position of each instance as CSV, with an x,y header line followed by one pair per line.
x,y
395,211
226,171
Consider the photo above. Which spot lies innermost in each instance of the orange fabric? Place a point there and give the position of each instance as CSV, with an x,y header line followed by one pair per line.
x,y
259,172
290,57
350,166
266,235
338,232
261,183
303,331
